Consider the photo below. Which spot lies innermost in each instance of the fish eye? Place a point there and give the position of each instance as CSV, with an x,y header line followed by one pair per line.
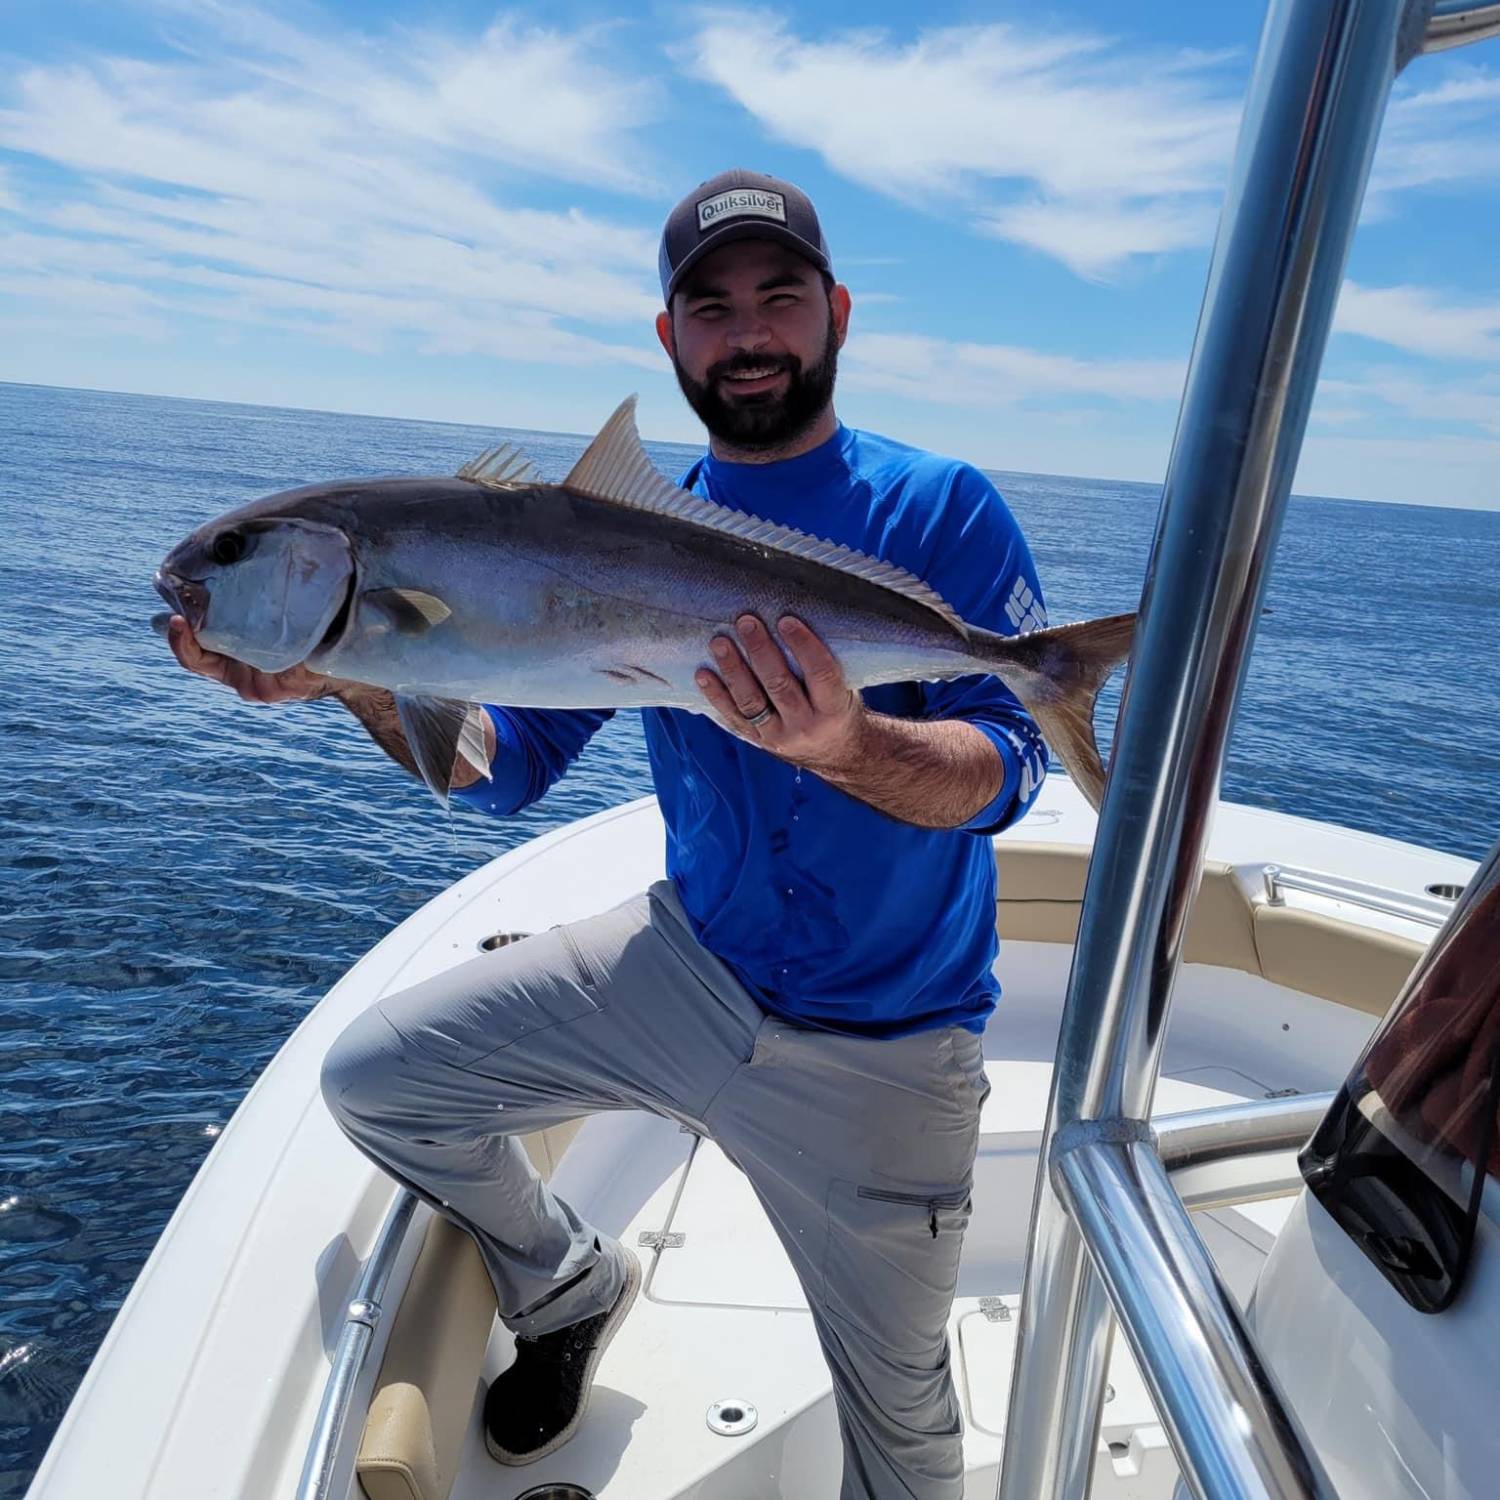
x,y
228,547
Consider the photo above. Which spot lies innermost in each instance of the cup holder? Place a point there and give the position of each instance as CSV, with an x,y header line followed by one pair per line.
x,y
502,940
731,1417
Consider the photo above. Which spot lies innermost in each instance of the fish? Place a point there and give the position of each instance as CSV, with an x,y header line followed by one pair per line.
x,y
603,591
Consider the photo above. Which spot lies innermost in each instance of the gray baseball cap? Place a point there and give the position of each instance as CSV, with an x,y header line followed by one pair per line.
x,y
738,205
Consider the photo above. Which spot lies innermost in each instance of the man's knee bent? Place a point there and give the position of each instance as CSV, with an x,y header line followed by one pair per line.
x,y
362,1069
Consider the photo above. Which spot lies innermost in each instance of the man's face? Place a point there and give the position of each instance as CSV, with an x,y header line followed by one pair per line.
x,y
754,339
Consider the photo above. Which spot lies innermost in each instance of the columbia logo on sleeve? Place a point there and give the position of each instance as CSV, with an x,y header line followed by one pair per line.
x,y
1023,609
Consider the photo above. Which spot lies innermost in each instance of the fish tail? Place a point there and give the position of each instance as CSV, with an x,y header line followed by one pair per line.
x,y
1057,674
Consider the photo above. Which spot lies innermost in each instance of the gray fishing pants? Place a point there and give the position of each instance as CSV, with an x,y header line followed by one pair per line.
x,y
861,1151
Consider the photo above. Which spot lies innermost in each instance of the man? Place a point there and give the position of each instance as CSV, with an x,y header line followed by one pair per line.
x,y
809,986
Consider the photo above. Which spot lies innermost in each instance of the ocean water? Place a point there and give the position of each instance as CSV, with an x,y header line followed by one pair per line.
x,y
184,875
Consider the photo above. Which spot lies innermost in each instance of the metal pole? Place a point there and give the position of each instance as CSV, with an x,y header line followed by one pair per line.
x,y
1230,1132
1236,1153
1455,23
364,1311
1317,93
1233,1434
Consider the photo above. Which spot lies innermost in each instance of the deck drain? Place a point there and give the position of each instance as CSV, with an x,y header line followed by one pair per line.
x,y
502,940
732,1418
558,1492
1445,892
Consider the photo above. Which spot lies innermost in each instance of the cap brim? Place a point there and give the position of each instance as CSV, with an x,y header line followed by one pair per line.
x,y
747,230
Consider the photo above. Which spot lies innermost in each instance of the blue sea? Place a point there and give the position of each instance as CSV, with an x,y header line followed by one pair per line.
x,y
184,875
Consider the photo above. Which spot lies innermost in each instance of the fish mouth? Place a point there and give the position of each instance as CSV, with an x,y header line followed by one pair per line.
x,y
187,596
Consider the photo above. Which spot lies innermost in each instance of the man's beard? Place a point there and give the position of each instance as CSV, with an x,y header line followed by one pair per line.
x,y
769,420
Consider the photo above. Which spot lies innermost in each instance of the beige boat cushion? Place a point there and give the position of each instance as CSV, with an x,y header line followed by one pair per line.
x,y
1319,955
1041,895
431,1374
1031,871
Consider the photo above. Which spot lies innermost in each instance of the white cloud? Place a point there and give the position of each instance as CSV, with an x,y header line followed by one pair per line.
x,y
1442,134
1417,320
1086,148
945,372
1073,144
1380,393
356,187
1094,239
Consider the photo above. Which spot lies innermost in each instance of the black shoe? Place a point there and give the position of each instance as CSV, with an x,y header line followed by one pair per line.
x,y
535,1406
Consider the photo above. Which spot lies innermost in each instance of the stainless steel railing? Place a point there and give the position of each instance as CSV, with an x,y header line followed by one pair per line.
x,y
1107,1228
1431,911
319,1468
1236,1153
1454,23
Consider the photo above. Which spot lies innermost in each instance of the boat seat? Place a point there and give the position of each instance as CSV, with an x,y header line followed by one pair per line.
x,y
428,1382
1319,955
1041,897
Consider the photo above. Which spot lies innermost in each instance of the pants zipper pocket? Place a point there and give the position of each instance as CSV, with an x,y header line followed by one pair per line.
x,y
918,1200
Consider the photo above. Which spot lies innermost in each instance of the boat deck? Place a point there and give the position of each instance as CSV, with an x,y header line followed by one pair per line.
x,y
217,1362
722,1316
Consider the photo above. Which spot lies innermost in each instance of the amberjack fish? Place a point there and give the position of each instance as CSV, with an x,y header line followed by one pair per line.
x,y
603,591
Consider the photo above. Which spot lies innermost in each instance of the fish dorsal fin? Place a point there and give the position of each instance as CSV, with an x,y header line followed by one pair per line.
x,y
500,468
615,468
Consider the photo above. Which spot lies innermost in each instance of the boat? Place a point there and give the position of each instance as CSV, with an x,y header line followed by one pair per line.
x,y
293,1259
1212,1246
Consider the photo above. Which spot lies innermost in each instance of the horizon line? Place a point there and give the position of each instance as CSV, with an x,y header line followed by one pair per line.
x,y
331,411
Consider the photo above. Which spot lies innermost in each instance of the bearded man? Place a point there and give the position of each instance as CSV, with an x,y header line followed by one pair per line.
x,y
809,985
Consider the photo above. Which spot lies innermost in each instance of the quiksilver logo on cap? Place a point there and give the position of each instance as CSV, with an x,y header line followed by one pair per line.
x,y
739,201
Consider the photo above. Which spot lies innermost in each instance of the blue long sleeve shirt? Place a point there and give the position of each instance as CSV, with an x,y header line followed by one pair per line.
x,y
835,915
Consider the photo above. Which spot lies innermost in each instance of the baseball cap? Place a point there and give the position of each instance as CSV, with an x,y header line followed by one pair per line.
x,y
738,205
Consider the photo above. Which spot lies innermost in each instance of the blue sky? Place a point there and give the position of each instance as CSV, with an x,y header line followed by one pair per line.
x,y
451,211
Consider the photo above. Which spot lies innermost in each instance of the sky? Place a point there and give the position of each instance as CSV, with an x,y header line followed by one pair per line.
x,y
451,211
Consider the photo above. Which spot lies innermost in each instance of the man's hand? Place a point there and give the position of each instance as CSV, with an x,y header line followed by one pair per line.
x,y
937,774
374,707
818,722
295,685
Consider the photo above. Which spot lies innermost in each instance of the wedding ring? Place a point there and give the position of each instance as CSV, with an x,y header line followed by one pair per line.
x,y
756,720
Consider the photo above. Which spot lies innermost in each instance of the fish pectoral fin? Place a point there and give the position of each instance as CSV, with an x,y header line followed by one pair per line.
x,y
410,611
501,468
440,733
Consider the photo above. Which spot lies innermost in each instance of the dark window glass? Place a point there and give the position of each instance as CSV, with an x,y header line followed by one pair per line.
x,y
1401,1159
